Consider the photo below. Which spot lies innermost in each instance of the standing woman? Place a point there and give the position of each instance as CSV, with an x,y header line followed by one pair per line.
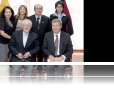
x,y
59,14
7,22
21,15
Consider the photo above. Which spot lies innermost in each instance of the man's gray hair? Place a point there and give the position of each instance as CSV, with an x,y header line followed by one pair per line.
x,y
27,20
38,4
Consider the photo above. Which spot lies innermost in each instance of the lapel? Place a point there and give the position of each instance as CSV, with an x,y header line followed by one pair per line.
x,y
42,22
61,42
28,40
52,42
21,38
34,21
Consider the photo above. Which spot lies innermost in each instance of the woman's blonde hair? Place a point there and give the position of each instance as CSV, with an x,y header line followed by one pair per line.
x,y
26,14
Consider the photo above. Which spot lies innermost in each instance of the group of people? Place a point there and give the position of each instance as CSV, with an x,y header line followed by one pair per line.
x,y
38,34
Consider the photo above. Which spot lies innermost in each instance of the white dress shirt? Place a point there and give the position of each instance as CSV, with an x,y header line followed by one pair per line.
x,y
25,37
58,53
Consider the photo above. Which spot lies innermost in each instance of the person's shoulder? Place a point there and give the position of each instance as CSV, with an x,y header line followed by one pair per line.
x,y
66,15
31,16
16,33
2,20
48,33
45,16
65,34
33,33
51,15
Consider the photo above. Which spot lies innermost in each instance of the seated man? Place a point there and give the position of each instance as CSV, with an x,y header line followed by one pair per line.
x,y
23,46
57,47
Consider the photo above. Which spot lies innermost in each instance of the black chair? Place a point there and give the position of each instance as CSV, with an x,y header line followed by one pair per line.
x,y
22,73
68,71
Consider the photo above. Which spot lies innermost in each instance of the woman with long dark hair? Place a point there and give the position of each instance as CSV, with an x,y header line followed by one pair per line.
x,y
59,14
7,23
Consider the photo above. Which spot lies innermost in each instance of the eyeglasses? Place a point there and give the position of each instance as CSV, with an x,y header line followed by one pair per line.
x,y
38,8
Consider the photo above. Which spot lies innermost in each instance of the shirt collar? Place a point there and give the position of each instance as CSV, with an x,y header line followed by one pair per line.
x,y
57,34
24,33
37,16
55,14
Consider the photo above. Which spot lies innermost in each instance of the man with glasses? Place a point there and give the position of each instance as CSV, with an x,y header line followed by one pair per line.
x,y
40,25
23,45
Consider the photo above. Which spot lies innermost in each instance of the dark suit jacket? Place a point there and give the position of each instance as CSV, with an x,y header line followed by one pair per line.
x,y
43,27
65,21
16,45
66,47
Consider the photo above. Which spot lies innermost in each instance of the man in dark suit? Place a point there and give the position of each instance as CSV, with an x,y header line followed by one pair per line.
x,y
57,47
40,26
23,46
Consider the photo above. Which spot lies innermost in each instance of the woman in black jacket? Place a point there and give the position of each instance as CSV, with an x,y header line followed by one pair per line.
x,y
7,23
59,14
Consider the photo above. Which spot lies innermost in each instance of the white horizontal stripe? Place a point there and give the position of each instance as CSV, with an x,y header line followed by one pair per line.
x,y
57,76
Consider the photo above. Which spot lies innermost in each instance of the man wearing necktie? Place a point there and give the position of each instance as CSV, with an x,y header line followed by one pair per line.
x,y
57,47
23,45
40,25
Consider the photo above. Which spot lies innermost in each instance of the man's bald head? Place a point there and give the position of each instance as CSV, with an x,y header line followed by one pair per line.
x,y
38,5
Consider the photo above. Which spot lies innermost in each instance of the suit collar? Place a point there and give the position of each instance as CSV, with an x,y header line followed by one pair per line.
x,y
52,42
28,40
41,22
61,42
21,38
37,16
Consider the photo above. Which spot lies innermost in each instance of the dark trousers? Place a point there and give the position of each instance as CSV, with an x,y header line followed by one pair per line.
x,y
23,60
16,72
50,69
40,56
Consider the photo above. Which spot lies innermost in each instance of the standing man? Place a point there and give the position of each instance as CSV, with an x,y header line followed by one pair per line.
x,y
40,25
57,47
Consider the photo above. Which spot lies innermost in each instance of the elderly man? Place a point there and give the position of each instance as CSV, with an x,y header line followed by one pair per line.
x,y
24,45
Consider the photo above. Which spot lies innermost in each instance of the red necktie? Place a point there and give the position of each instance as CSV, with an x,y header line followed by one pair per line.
x,y
56,45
